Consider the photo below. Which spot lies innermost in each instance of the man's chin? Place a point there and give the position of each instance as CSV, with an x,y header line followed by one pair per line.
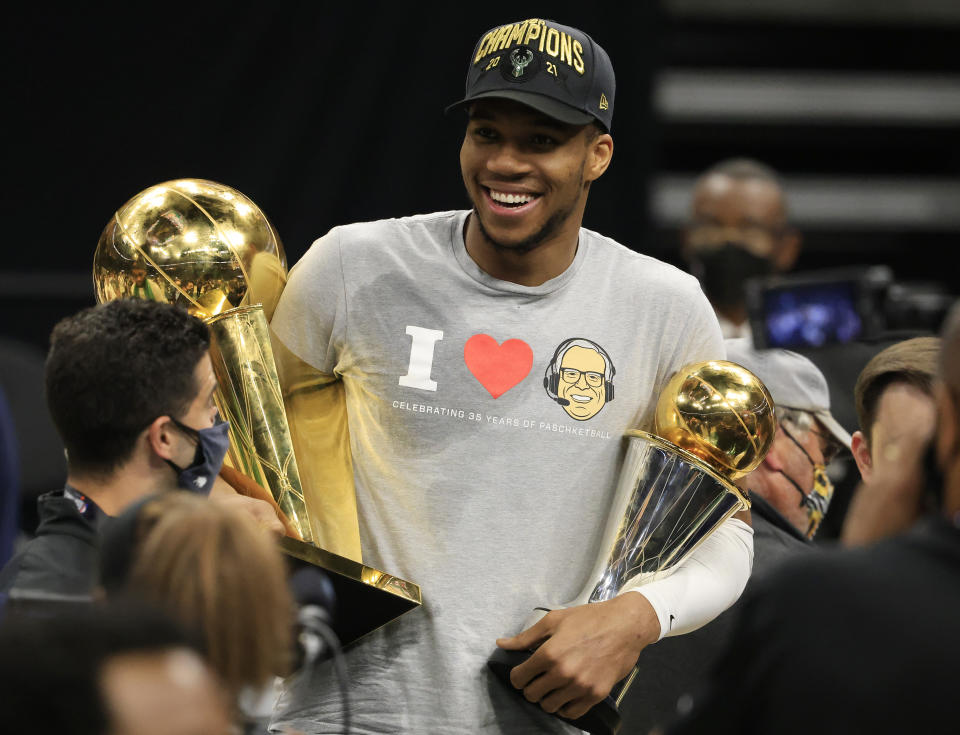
x,y
516,244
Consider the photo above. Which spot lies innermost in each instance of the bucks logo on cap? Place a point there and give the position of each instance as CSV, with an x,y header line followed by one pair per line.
x,y
521,64
520,61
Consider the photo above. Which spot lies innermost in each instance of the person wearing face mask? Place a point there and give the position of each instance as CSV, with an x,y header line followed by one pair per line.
x,y
790,493
855,640
129,386
791,489
738,230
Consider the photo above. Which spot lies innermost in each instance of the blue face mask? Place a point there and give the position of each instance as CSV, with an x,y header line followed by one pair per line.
x,y
212,446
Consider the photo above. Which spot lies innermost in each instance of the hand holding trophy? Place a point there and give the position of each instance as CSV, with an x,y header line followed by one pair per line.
x,y
715,423
208,248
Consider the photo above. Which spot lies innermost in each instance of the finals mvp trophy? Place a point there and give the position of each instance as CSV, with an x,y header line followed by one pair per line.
x,y
715,423
211,250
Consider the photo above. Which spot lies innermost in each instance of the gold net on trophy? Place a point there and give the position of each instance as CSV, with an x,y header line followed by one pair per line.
x,y
208,248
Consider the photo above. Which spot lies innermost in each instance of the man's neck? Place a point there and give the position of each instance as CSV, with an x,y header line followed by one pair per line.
x,y
951,493
533,267
115,492
736,314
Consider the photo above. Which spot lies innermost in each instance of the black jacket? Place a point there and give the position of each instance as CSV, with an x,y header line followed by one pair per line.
x,y
673,667
861,640
60,564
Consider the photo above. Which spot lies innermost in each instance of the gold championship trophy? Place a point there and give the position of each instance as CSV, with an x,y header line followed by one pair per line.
x,y
211,250
715,423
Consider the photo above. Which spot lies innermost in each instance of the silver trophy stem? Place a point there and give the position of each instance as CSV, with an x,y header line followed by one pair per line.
x,y
666,503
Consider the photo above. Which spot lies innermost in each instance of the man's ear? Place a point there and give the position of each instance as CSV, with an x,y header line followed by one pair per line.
x,y
788,250
774,459
861,455
160,437
598,157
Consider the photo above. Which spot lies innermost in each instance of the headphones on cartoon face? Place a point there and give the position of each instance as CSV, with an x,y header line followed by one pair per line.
x,y
551,376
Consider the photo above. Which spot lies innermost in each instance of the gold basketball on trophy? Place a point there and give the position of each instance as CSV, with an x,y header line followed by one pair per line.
x,y
720,412
193,242
208,248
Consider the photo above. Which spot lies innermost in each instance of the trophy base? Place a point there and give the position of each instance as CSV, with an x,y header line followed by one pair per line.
x,y
601,719
367,598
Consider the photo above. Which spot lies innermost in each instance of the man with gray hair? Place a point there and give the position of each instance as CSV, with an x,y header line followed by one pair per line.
x,y
791,488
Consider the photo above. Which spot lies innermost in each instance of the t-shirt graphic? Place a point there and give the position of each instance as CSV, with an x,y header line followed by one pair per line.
x,y
497,367
580,378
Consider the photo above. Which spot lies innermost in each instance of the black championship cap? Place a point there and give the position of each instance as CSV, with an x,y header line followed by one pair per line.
x,y
555,69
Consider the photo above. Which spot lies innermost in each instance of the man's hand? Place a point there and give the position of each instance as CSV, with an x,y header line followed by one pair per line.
x,y
259,510
893,500
582,652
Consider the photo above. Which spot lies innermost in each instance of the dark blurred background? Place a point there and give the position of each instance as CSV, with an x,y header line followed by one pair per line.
x,y
331,113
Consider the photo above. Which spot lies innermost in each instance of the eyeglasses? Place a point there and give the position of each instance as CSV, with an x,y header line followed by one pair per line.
x,y
829,448
572,375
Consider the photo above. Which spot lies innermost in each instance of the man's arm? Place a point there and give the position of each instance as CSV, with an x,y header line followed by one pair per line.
x,y
709,581
582,652
261,511
585,650
892,500
316,410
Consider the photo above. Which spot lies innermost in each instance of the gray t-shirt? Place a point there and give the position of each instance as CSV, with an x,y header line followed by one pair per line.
x,y
486,422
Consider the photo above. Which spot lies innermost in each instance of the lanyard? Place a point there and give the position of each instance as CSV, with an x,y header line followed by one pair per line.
x,y
85,506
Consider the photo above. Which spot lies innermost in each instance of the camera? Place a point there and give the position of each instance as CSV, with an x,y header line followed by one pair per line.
x,y
836,306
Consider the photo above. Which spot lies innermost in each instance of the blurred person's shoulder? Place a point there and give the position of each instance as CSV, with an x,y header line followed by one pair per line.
x,y
61,560
914,563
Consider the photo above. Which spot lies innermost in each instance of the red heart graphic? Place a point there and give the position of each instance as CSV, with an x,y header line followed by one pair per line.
x,y
497,367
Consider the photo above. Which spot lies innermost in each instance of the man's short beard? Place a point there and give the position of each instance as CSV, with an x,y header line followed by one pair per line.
x,y
535,240
549,229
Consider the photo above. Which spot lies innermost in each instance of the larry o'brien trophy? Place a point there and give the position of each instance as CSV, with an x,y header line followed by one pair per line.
x,y
715,423
210,249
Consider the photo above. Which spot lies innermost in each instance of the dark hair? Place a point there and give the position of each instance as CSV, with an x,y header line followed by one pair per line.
x,y
913,361
114,368
50,667
594,130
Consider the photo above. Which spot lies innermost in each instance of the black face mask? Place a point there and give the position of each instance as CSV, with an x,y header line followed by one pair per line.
x,y
722,272
212,445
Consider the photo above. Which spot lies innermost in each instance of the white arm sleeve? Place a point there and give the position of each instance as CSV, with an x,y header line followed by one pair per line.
x,y
707,582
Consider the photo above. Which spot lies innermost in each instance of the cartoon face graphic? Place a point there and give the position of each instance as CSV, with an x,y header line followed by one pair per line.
x,y
578,378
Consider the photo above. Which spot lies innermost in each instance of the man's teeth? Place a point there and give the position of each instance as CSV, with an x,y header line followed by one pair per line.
x,y
581,399
505,198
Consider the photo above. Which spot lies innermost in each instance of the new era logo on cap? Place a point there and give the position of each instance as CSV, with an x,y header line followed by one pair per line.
x,y
553,68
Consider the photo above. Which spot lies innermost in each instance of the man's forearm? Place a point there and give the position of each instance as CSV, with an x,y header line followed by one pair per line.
x,y
709,581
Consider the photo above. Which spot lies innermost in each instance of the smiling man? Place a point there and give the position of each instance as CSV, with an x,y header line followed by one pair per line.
x,y
486,496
